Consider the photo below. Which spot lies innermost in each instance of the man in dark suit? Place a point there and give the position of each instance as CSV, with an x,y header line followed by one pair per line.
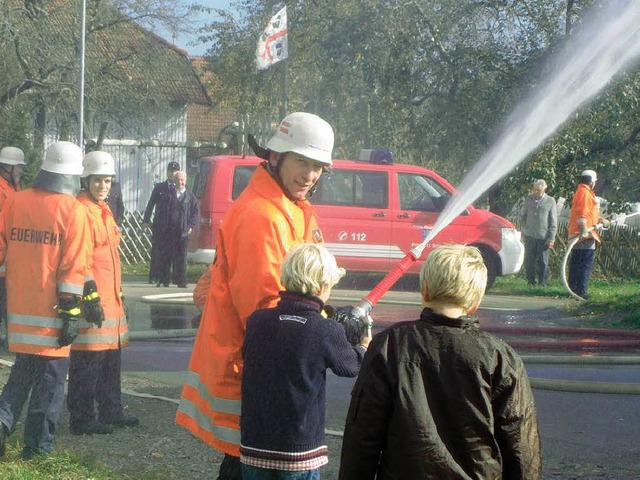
x,y
159,205
183,217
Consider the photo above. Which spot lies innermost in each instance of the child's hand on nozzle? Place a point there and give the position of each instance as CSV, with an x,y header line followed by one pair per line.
x,y
365,339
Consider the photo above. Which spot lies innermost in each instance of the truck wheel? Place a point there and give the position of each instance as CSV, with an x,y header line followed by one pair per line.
x,y
492,262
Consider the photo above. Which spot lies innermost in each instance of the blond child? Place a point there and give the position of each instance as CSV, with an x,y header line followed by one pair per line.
x,y
287,350
439,398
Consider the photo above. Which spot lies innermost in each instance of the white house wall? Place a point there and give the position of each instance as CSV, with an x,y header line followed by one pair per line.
x,y
142,156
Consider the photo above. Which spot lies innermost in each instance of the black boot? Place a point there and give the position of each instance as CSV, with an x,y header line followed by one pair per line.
x,y
123,421
90,428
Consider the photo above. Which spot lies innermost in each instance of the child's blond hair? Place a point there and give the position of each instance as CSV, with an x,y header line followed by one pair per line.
x,y
455,274
308,267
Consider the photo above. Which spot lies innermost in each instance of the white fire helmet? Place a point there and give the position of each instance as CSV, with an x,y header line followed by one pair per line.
x,y
12,156
305,134
98,163
591,174
64,158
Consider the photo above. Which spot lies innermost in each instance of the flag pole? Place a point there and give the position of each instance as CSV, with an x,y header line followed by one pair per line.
x,y
83,36
285,89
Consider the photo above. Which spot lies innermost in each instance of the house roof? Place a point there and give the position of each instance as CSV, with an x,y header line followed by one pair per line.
x,y
156,66
205,124
115,46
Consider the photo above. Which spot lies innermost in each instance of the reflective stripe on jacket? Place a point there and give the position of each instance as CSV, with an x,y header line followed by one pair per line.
x,y
256,234
106,271
583,205
44,245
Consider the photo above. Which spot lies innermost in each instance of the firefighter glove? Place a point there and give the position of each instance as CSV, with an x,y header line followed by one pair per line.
x,y
69,311
354,327
91,308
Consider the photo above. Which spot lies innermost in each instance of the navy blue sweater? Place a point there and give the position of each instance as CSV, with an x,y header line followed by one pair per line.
x,y
287,350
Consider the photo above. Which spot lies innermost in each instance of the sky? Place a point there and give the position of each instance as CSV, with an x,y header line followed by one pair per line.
x,y
184,40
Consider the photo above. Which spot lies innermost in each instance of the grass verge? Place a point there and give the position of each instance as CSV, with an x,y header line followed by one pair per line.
x,y
612,304
61,465
194,270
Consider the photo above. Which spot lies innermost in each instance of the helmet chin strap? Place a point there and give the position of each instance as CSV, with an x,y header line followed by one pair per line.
x,y
6,174
275,173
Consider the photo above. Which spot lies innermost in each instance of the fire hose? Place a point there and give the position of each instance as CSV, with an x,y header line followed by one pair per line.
x,y
572,244
368,302
565,260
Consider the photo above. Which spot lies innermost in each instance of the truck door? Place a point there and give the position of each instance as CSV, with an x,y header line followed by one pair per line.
x,y
354,215
417,203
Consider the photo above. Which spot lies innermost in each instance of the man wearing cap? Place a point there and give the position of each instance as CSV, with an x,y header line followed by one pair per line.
x,y
48,226
159,205
584,217
11,165
271,216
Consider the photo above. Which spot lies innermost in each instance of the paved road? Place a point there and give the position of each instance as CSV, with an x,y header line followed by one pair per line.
x,y
584,435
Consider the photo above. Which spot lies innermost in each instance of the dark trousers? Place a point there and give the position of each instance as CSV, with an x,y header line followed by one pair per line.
x,y
94,377
173,256
230,468
580,265
153,263
44,377
536,257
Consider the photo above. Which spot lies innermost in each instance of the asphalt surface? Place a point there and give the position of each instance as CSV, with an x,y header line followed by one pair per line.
x,y
587,389
587,386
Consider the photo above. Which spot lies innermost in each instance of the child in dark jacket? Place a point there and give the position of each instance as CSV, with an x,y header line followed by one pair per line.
x,y
437,397
287,350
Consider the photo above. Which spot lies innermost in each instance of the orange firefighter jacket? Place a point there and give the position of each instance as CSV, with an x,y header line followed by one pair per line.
x,y
584,205
105,269
256,234
44,246
6,190
201,290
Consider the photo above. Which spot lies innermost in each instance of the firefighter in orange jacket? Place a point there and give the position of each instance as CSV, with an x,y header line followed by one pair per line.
x,y
584,217
270,217
44,246
11,165
94,370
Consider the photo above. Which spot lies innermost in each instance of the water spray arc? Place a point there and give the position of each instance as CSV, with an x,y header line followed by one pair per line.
x,y
608,45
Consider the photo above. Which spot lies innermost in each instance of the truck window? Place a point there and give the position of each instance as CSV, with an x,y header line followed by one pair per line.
x,y
353,188
241,176
418,192
201,180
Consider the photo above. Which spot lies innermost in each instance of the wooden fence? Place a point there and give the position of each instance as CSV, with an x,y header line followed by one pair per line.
x,y
135,245
617,256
